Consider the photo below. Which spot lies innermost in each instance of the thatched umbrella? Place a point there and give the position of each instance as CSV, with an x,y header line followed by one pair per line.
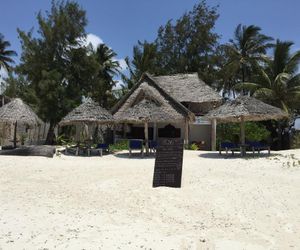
x,y
16,112
87,113
245,108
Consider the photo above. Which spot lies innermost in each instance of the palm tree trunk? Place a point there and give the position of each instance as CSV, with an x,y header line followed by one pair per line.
x,y
243,77
50,139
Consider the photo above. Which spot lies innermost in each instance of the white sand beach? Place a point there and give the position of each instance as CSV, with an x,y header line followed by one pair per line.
x,y
109,203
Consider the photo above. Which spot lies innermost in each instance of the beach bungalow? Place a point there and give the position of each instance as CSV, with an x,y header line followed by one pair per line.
x,y
169,106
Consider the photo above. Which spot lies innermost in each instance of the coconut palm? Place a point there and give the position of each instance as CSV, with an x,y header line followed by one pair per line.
x,y
5,54
278,83
246,50
144,60
108,68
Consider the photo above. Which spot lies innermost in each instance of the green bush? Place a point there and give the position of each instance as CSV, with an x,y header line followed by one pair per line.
x,y
230,132
120,145
296,141
63,140
193,146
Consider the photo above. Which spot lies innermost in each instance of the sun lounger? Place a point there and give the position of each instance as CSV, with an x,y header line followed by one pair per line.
x,y
229,146
152,146
100,148
135,145
258,146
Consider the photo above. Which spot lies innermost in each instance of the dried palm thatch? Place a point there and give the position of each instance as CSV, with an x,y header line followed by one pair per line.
x,y
88,112
148,102
246,108
188,88
18,111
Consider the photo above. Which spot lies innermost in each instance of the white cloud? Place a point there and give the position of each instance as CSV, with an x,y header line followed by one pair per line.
x,y
123,64
94,40
119,84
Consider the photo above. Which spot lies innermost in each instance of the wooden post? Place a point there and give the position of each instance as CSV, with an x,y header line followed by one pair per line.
x,y
242,146
242,131
186,133
146,137
114,133
38,136
214,135
154,131
15,134
124,130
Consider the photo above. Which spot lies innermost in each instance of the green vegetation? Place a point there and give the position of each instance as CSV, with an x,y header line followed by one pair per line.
x,y
57,68
5,54
185,45
296,141
119,146
231,132
193,146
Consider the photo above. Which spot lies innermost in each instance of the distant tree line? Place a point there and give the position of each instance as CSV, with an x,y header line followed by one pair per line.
x,y
57,68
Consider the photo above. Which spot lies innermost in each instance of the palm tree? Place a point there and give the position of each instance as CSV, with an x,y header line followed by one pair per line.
x,y
108,68
278,83
144,60
245,51
5,55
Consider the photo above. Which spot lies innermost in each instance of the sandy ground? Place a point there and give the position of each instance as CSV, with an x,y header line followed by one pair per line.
x,y
108,203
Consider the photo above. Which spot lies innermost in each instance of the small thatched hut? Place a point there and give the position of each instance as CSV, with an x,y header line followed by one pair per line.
x,y
88,112
165,103
86,116
16,112
245,108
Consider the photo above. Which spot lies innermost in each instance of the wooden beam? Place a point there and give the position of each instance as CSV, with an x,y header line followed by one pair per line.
x,y
146,137
214,135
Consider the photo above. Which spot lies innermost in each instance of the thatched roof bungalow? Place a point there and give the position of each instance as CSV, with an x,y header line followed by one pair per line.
x,y
168,102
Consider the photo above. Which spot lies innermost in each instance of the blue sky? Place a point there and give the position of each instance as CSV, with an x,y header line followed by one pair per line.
x,y
121,23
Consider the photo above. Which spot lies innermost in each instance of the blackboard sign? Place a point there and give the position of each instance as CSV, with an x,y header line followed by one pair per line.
x,y
168,163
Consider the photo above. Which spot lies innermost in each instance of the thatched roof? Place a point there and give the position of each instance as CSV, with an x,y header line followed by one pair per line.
x,y
18,111
88,112
247,107
147,101
188,88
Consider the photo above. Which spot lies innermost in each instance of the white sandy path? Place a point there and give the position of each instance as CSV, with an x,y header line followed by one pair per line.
x,y
108,203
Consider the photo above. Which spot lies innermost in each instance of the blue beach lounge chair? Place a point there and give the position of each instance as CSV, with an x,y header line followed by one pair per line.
x,y
136,144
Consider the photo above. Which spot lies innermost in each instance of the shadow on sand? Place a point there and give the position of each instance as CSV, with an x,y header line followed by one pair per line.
x,y
216,155
136,156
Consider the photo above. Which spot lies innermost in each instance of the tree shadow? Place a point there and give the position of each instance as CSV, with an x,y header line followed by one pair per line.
x,y
137,156
216,155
